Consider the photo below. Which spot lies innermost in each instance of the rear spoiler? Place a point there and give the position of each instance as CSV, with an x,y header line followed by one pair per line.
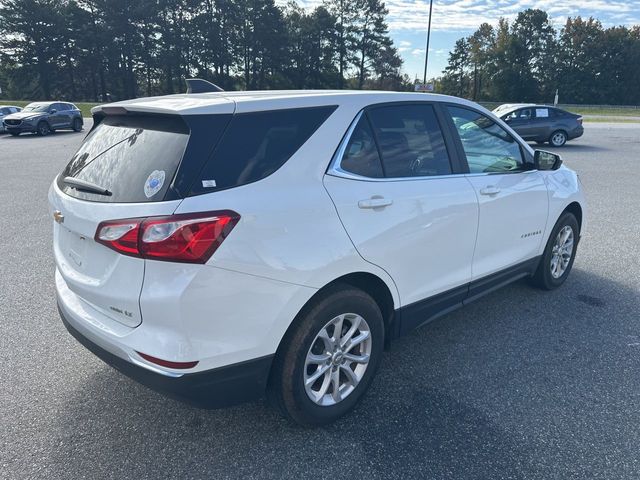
x,y
194,85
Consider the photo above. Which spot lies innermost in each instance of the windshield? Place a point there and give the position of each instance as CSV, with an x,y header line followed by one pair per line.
x,y
36,107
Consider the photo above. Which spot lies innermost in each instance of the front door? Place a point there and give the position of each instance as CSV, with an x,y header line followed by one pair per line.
x,y
513,198
57,118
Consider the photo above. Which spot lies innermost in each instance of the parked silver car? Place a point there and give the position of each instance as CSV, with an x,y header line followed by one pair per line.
x,y
7,110
541,123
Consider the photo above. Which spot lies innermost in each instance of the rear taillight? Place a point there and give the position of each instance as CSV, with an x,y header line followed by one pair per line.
x,y
190,238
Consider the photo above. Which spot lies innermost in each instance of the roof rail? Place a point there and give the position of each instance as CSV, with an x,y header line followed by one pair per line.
x,y
197,85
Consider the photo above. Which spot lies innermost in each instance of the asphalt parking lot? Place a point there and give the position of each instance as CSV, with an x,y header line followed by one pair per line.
x,y
521,384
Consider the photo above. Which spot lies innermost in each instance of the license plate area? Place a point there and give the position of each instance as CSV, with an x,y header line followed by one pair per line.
x,y
74,247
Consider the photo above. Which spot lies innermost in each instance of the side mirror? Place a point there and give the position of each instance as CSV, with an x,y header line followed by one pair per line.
x,y
546,160
53,110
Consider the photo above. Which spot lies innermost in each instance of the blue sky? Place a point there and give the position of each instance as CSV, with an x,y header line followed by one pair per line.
x,y
453,19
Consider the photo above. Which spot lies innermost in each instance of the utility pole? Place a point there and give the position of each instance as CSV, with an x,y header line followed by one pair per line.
x,y
426,55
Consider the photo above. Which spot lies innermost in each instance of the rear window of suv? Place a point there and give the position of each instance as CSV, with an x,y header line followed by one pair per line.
x,y
257,144
151,158
134,157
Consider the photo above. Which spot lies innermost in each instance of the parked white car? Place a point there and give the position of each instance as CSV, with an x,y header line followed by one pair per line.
x,y
4,111
221,246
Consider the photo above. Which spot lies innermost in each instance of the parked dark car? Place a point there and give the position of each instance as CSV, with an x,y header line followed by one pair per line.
x,y
43,118
541,123
7,110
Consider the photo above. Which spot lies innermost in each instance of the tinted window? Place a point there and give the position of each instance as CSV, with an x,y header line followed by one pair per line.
x,y
410,141
523,114
487,146
61,107
133,157
257,144
361,154
5,111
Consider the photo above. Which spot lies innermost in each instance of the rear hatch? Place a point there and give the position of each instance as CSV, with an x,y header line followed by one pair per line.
x,y
145,162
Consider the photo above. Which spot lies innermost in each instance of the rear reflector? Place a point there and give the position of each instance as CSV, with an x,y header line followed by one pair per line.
x,y
167,363
189,238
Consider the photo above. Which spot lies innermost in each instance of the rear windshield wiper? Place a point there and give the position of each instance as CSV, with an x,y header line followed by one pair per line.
x,y
84,186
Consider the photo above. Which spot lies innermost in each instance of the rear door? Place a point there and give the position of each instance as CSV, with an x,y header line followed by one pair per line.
x,y
136,158
522,122
399,194
512,197
67,115
544,121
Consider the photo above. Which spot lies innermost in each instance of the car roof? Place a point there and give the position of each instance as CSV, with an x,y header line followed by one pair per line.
x,y
252,101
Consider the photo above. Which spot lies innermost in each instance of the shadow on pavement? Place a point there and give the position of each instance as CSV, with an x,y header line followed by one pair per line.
x,y
521,384
28,135
571,147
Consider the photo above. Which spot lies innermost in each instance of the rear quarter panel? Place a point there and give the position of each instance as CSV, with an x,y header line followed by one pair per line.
x,y
289,228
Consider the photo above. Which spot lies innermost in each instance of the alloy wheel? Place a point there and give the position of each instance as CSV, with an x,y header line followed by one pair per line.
x,y
337,359
561,252
558,139
43,129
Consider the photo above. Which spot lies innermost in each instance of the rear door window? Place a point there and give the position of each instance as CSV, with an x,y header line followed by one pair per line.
x,y
134,157
542,113
361,156
257,144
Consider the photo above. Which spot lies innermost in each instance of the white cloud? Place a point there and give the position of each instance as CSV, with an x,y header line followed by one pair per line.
x,y
464,15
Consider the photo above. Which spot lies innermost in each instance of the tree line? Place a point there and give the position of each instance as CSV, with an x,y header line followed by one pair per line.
x,y
527,60
99,50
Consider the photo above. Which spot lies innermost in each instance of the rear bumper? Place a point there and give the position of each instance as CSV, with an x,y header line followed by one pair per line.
x,y
217,388
575,133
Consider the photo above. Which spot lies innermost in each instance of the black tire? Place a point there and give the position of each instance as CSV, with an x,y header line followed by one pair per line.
x,y
558,138
543,277
43,129
286,390
15,134
77,125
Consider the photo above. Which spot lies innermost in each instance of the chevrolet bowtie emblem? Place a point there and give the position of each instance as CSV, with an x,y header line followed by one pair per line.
x,y
58,216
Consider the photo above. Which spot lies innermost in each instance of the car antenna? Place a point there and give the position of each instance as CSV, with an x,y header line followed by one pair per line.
x,y
198,85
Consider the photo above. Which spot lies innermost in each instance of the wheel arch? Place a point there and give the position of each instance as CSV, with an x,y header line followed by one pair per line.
x,y
368,282
576,209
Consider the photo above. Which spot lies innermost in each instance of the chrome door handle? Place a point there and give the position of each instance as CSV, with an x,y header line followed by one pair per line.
x,y
490,190
376,201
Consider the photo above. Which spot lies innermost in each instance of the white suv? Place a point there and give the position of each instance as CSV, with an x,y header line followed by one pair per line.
x,y
221,246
